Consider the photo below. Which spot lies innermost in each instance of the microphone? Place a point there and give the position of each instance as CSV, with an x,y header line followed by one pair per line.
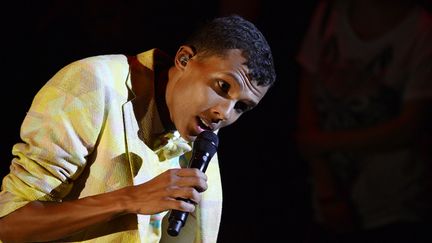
x,y
204,148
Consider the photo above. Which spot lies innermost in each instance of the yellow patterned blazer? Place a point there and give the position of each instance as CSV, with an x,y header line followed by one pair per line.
x,y
80,137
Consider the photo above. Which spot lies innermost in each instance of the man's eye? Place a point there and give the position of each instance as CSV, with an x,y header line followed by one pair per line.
x,y
241,107
224,86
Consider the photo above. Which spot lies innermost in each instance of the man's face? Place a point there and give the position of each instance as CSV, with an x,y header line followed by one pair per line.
x,y
210,93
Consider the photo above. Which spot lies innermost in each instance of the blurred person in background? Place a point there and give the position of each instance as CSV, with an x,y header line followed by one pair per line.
x,y
364,106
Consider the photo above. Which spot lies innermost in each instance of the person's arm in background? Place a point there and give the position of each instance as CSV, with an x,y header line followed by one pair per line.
x,y
333,209
387,135
308,123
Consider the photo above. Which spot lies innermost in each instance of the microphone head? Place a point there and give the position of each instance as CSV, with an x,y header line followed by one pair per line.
x,y
207,141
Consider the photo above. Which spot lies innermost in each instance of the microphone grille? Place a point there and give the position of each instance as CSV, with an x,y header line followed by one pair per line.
x,y
209,136
207,141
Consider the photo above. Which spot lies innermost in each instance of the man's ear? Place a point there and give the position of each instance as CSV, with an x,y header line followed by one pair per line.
x,y
183,55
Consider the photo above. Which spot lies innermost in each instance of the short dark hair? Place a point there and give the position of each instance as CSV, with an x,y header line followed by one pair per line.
x,y
234,32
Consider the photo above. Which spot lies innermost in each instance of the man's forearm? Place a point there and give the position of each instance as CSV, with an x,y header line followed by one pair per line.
x,y
44,221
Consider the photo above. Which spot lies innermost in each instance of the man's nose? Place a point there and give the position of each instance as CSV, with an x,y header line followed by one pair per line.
x,y
223,111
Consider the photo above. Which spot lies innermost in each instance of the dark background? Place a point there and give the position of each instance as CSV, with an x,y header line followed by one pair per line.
x,y
265,186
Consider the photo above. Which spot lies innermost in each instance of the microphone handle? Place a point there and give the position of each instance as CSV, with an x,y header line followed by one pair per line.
x,y
177,219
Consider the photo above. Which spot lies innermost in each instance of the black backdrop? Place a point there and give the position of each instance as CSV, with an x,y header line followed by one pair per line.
x,y
265,189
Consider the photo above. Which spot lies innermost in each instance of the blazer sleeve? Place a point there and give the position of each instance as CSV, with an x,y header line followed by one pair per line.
x,y
58,132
